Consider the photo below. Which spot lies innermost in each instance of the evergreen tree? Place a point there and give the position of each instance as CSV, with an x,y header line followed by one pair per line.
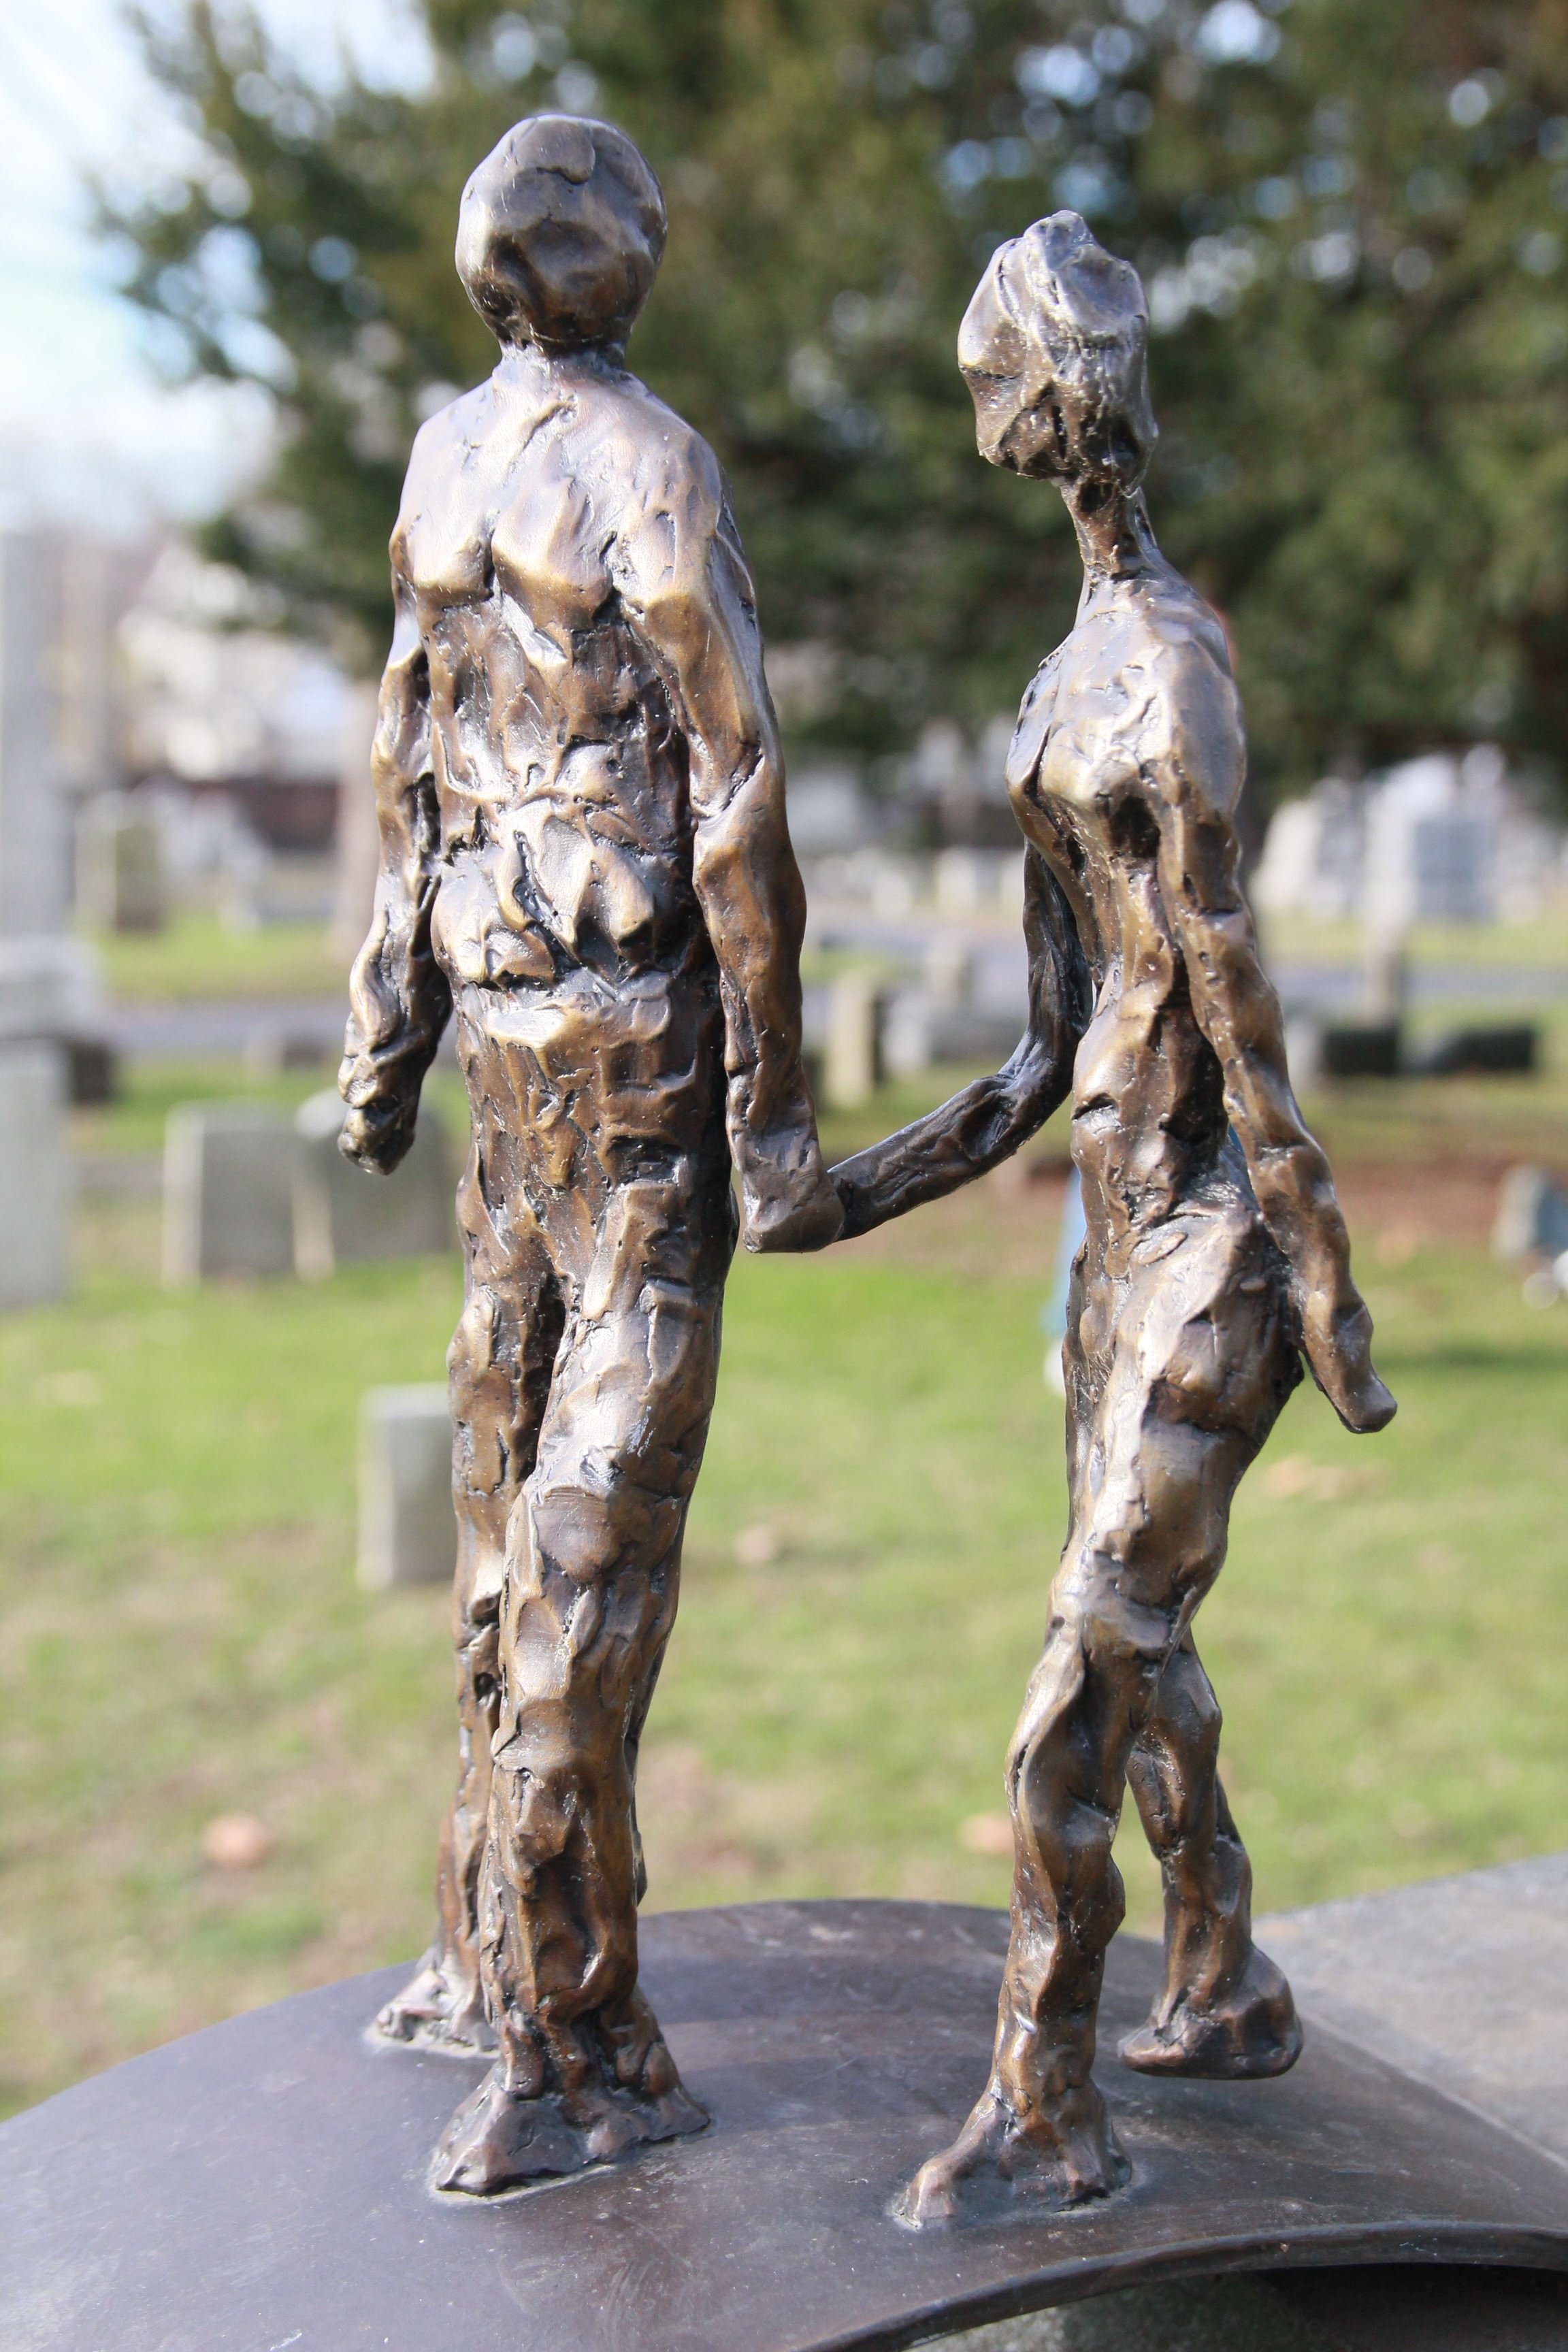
x,y
1351,221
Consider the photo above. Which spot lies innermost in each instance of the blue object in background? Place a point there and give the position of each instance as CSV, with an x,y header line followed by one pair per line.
x,y
1054,1313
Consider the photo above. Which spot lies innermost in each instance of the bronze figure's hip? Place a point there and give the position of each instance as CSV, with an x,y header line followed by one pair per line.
x,y
1194,1301
589,1081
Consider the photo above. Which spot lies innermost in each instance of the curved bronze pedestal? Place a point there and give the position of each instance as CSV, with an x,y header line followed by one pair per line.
x,y
264,2184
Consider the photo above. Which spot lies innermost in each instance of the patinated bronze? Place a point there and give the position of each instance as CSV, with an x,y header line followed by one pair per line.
x,y
1216,1254
583,855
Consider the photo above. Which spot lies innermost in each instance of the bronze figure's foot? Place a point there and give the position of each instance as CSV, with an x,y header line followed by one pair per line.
x,y
1251,2033
437,2011
1063,2161
499,2138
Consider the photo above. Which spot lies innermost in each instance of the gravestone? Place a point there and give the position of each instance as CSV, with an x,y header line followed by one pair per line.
x,y
35,1173
949,969
35,856
407,1526
120,867
1304,1050
853,1066
1385,977
48,1001
341,1215
228,1191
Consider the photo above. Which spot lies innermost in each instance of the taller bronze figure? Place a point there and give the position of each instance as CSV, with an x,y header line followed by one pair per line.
x,y
584,856
1215,1254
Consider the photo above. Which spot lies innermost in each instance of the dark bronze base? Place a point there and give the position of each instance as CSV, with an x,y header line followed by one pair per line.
x,y
266,2183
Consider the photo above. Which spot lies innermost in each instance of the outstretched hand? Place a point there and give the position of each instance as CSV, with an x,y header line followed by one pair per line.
x,y
779,1225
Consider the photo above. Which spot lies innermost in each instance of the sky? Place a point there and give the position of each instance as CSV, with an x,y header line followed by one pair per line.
x,y
88,432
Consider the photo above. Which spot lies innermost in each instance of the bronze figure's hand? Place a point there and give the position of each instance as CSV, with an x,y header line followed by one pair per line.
x,y
806,1219
984,1124
1336,1340
377,1133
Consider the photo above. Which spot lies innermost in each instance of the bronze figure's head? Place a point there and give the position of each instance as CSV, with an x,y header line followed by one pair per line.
x,y
1053,349
560,231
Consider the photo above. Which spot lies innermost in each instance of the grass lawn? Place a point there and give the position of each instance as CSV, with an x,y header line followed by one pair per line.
x,y
197,957
1540,941
873,1536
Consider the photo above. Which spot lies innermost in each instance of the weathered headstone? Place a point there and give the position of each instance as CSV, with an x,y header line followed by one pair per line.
x,y
1304,1050
407,1526
853,1064
909,1022
949,969
47,998
340,1213
35,858
35,1173
964,880
228,1191
120,882
1384,976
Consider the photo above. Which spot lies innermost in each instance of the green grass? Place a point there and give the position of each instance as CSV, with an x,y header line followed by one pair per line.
x,y
180,1632
132,1126
1539,941
196,957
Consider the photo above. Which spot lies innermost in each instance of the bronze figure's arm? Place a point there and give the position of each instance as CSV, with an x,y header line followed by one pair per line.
x,y
398,998
987,1121
1194,787
685,586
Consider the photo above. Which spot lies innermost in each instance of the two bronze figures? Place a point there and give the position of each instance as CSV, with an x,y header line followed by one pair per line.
x,y
586,864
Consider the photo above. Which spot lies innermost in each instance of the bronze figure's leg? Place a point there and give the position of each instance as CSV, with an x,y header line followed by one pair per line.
x,y
499,1368
1225,2009
592,1566
1176,1370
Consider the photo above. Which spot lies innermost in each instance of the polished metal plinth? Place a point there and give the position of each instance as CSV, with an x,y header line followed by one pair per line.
x,y
263,2185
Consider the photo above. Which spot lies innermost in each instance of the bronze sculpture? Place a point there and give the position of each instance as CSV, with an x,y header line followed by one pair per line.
x,y
1215,1254
584,857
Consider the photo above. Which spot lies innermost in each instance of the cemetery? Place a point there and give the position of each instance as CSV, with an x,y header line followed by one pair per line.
x,y
917,1010
227,1453
188,1461
230,1437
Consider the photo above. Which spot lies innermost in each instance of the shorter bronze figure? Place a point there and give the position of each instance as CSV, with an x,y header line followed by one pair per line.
x,y
584,854
1216,1254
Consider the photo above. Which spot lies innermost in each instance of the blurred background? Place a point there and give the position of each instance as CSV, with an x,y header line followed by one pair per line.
x,y
226,301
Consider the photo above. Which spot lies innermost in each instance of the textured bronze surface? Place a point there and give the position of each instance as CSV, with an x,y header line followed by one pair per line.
x,y
1216,1254
264,2184
584,857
